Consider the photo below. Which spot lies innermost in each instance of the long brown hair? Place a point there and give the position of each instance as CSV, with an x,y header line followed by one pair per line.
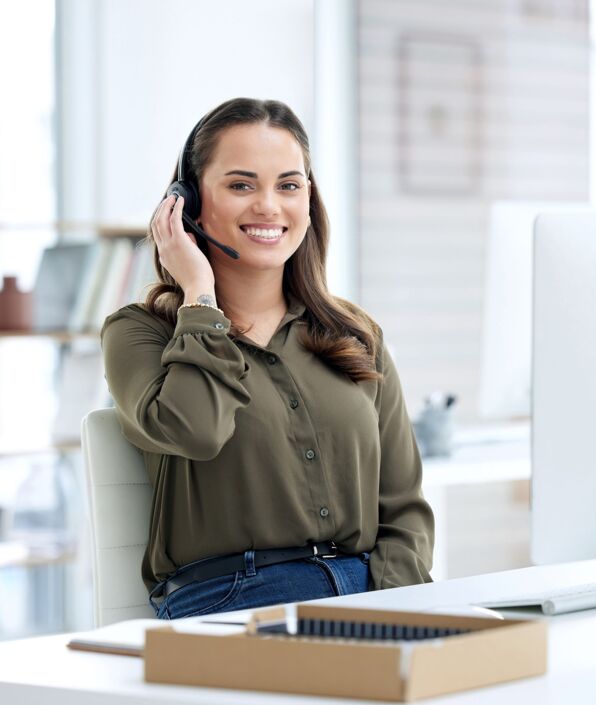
x,y
337,331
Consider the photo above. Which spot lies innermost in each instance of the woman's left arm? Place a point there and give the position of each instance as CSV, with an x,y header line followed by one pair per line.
x,y
403,551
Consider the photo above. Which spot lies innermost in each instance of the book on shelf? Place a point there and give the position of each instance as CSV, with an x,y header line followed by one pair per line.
x,y
60,277
94,268
112,280
141,275
79,284
81,386
117,273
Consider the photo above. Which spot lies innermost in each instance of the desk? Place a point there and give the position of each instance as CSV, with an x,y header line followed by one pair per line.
x,y
479,457
42,671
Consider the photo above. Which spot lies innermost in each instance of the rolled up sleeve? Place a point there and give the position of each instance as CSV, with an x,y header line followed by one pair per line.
x,y
177,393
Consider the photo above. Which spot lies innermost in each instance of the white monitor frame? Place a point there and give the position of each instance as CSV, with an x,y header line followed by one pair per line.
x,y
563,516
505,375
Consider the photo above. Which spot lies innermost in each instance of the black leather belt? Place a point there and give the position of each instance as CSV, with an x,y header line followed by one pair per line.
x,y
225,565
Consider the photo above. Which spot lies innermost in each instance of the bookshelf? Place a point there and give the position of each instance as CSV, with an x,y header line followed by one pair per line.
x,y
69,226
78,283
60,336
121,231
89,271
55,364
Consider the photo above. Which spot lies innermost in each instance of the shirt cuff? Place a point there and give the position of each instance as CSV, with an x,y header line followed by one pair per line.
x,y
201,319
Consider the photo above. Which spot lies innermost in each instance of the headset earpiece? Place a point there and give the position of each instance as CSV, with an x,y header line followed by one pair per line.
x,y
192,202
184,187
189,190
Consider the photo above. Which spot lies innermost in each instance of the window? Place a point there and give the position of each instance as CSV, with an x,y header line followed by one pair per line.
x,y
27,136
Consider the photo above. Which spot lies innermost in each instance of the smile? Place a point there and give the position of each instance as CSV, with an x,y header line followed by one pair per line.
x,y
262,234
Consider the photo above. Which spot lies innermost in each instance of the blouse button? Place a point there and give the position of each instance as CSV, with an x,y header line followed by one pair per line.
x,y
324,512
310,454
218,325
271,359
293,403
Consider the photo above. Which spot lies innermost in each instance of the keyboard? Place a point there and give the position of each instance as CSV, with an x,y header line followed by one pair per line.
x,y
570,599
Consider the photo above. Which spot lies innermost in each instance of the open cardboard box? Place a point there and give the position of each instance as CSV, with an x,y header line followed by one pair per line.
x,y
492,651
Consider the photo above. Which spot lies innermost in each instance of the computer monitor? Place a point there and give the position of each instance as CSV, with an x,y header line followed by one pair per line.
x,y
507,317
563,514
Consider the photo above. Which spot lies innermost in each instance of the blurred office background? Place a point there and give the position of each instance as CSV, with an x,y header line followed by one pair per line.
x,y
438,128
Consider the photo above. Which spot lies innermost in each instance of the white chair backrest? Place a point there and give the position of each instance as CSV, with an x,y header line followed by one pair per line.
x,y
120,496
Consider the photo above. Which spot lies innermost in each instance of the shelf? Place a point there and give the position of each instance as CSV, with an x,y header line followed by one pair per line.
x,y
59,335
70,447
121,231
15,554
103,229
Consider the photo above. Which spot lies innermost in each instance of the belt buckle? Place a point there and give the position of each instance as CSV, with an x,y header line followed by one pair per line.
x,y
326,555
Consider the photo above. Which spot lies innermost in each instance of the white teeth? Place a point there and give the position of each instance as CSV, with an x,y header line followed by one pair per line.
x,y
269,234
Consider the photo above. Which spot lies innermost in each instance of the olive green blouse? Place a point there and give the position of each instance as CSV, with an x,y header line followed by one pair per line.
x,y
251,447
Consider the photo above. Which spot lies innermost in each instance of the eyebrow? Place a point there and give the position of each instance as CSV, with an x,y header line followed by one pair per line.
x,y
253,175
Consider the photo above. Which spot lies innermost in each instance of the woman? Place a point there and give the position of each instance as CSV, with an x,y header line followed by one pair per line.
x,y
268,411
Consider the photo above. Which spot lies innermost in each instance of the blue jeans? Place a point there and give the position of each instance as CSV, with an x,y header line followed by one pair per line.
x,y
293,581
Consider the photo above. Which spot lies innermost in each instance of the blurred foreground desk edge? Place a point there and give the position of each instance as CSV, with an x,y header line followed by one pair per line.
x,y
43,670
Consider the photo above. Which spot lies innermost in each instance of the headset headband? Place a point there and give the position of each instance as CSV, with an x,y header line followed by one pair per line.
x,y
190,192
188,147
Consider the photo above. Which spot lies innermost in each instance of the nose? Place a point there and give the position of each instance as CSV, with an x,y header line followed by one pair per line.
x,y
266,203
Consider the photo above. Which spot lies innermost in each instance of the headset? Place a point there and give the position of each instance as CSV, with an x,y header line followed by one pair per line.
x,y
189,190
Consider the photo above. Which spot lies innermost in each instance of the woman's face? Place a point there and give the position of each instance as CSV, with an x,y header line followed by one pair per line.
x,y
255,195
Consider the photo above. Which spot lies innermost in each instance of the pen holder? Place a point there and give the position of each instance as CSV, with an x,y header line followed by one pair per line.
x,y
434,431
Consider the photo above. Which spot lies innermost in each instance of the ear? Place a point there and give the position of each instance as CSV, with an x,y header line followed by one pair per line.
x,y
309,189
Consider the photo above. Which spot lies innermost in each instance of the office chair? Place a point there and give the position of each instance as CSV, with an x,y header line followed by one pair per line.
x,y
119,496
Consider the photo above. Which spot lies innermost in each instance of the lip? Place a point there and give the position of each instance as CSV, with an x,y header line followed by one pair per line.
x,y
261,241
264,226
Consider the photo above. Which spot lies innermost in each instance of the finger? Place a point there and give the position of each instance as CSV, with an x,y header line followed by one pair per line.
x,y
159,209
163,218
153,225
155,233
156,219
155,230
176,216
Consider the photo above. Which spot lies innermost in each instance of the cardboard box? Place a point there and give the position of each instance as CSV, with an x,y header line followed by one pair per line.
x,y
493,651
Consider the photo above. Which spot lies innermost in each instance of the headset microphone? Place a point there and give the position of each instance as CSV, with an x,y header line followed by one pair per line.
x,y
198,231
192,201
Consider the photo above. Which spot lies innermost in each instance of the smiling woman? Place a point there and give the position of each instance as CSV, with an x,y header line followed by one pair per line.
x,y
269,206
269,412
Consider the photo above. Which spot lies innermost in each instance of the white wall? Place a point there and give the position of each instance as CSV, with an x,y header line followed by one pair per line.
x,y
150,70
140,73
517,117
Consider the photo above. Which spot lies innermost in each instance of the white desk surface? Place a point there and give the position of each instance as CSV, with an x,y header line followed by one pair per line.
x,y
481,455
43,671
500,454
